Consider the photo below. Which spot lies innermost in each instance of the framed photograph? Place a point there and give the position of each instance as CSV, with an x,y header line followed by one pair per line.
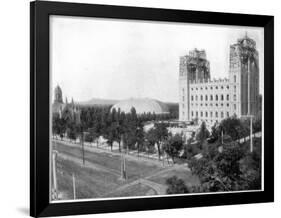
x,y
143,108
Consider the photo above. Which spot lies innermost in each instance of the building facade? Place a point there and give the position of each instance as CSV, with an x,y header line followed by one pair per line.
x,y
59,107
212,100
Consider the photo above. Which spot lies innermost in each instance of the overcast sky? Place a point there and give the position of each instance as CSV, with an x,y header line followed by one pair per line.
x,y
118,59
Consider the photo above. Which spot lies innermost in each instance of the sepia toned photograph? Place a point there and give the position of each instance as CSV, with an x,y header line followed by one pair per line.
x,y
146,109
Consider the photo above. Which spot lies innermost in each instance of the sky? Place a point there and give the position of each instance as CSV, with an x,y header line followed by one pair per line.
x,y
120,59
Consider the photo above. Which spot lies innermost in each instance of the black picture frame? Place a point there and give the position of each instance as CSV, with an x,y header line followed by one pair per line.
x,y
39,108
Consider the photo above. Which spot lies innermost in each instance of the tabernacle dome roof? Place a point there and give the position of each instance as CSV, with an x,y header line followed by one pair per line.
x,y
142,105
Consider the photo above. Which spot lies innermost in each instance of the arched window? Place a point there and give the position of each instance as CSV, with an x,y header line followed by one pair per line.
x,y
222,97
206,114
217,97
227,97
206,98
211,97
201,97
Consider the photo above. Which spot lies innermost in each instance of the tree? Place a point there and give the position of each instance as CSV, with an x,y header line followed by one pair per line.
x,y
139,136
202,135
176,186
173,146
159,135
226,170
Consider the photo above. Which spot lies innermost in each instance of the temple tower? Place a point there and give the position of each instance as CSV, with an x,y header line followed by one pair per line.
x,y
193,68
244,77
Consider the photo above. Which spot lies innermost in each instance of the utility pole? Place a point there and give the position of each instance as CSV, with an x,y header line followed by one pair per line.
x,y
251,134
249,108
74,186
222,137
55,188
82,144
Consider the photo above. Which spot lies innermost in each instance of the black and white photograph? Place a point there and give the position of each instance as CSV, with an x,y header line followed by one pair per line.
x,y
147,108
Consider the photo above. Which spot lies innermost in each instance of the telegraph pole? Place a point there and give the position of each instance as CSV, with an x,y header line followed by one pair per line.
x,y
74,186
55,188
249,108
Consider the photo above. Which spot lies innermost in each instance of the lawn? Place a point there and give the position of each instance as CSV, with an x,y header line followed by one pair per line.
x,y
100,177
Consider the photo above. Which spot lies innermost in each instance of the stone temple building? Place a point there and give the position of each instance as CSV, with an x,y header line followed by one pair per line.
x,y
212,100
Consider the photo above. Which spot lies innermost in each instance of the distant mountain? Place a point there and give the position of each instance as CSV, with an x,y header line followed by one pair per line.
x,y
99,101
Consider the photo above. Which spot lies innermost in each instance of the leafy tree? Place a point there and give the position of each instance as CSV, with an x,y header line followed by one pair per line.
x,y
173,146
202,135
225,170
176,186
158,134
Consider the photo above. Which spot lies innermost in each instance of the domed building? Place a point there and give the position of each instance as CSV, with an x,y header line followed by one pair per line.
x,y
142,105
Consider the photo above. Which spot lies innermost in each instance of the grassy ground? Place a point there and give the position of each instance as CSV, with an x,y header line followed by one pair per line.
x,y
100,177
